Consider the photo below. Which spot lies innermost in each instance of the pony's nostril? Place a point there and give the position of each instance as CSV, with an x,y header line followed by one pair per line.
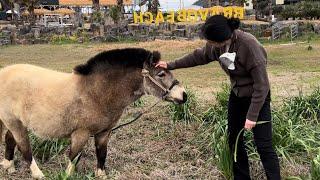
x,y
185,97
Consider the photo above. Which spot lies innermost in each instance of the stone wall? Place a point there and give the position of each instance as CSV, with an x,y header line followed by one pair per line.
x,y
105,33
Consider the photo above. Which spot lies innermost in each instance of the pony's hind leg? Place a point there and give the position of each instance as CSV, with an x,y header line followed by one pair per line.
x,y
101,143
7,163
20,135
78,139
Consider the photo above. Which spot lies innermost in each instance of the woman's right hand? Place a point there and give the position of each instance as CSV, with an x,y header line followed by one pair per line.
x,y
162,64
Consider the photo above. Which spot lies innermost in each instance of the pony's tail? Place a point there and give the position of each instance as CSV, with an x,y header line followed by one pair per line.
x,y
1,130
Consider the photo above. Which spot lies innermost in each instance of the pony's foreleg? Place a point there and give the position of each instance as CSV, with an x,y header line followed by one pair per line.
x,y
7,163
78,139
101,143
20,135
1,130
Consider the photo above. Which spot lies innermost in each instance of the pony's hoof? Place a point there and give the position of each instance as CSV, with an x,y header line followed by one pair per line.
x,y
70,169
38,175
11,170
35,171
100,174
8,165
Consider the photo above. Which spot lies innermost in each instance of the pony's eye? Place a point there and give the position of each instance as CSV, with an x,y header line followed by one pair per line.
x,y
161,74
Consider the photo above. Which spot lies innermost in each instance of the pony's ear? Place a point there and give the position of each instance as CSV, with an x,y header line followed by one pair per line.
x,y
156,57
83,69
153,58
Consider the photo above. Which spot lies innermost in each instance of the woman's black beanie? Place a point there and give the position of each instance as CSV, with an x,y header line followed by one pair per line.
x,y
218,28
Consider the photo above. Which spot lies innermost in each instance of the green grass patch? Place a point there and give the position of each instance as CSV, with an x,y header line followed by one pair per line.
x,y
138,103
308,37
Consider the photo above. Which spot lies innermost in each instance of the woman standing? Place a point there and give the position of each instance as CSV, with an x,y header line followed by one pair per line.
x,y
244,59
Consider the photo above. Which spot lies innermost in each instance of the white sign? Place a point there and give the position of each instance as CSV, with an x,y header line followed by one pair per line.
x,y
279,2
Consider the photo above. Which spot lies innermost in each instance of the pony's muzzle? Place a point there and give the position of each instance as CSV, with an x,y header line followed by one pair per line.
x,y
177,95
184,98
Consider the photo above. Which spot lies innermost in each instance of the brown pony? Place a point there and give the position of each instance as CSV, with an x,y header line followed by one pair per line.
x,y
87,102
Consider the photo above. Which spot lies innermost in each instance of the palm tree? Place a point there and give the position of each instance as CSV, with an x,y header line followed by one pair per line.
x,y
153,5
207,3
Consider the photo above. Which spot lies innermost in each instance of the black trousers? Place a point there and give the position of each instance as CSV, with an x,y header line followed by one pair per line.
x,y
237,111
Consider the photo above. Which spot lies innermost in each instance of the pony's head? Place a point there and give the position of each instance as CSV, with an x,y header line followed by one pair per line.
x,y
160,82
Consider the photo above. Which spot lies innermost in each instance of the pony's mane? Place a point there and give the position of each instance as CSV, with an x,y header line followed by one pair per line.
x,y
129,57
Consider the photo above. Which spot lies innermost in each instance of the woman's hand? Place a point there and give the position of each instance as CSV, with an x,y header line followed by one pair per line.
x,y
162,64
249,124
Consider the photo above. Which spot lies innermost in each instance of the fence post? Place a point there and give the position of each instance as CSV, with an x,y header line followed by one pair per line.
x,y
294,30
276,31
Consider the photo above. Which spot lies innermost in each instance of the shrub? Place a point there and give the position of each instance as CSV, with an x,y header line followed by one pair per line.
x,y
302,9
288,12
62,39
97,17
114,13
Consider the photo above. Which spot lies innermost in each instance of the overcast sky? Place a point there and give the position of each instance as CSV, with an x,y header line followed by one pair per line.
x,y
175,4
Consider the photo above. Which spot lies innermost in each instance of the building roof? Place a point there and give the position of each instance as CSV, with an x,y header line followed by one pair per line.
x,y
49,2
64,11
204,3
42,11
291,1
89,2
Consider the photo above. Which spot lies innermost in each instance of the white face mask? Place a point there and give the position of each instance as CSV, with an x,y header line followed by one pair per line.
x,y
228,59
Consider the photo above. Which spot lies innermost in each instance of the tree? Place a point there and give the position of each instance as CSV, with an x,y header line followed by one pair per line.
x,y
96,15
207,3
216,3
120,5
114,13
11,4
240,2
30,6
96,5
153,5
261,7
5,4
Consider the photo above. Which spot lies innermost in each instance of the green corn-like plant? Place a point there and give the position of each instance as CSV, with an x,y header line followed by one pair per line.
x,y
46,149
315,167
62,175
296,132
185,112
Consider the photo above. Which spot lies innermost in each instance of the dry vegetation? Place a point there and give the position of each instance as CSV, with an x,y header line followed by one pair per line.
x,y
155,147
